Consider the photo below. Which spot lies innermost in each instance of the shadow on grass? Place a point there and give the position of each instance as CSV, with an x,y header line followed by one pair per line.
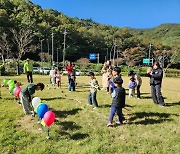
x,y
145,118
64,114
173,104
69,125
52,98
78,136
9,98
82,90
109,105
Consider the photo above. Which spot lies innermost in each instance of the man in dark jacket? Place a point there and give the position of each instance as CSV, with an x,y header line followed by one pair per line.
x,y
156,75
118,102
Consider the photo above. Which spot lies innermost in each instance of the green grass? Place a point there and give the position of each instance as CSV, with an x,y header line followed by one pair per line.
x,y
80,129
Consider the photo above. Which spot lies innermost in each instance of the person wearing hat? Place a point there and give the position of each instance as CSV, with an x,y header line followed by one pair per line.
x,y
28,69
26,96
93,90
118,102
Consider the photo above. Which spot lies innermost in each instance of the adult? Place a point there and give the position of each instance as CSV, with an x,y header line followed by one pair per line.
x,y
138,81
156,75
106,74
69,69
28,69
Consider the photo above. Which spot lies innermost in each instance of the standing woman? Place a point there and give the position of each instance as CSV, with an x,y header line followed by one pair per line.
x,y
107,73
69,69
156,75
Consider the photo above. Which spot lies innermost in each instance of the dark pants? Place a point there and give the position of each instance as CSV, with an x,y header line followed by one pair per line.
x,y
157,95
69,78
138,91
29,77
71,86
92,99
118,111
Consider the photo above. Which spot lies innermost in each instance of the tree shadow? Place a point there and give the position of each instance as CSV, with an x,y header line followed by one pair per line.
x,y
64,114
69,125
105,106
145,118
150,97
82,90
52,98
146,97
78,136
172,104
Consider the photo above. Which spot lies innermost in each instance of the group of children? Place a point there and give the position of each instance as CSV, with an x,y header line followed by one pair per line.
x,y
55,77
117,92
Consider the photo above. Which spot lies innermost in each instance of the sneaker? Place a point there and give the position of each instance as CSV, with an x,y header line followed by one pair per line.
x,y
40,129
118,122
47,137
109,124
94,108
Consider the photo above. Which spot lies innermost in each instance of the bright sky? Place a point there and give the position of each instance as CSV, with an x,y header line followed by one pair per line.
x,y
121,13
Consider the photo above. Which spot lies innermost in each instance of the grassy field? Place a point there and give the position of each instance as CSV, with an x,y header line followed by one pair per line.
x,y
80,129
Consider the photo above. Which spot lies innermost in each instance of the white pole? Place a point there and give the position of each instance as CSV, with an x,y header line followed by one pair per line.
x,y
52,47
64,53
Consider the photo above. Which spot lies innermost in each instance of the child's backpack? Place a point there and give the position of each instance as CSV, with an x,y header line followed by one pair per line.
x,y
132,85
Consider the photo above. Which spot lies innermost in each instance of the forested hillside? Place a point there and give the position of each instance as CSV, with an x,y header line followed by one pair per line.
x,y
26,30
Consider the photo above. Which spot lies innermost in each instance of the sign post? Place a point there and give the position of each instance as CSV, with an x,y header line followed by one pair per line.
x,y
92,56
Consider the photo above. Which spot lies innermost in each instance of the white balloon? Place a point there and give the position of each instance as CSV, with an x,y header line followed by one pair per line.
x,y
36,101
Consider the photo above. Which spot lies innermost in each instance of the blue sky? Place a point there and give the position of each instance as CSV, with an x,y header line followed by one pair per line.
x,y
121,13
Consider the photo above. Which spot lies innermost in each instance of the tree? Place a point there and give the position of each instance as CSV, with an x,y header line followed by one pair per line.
x,y
83,62
4,45
133,56
174,59
23,39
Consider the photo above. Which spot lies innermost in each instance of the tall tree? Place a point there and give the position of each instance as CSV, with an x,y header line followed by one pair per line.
x,y
23,39
4,45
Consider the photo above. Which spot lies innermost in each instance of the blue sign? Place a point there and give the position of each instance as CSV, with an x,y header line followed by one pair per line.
x,y
92,56
146,61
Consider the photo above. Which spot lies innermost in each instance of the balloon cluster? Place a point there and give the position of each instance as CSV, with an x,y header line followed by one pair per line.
x,y
12,87
48,117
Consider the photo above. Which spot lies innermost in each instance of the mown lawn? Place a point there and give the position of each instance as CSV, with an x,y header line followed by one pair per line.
x,y
80,129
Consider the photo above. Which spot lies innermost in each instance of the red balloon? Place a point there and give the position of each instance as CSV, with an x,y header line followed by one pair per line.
x,y
15,90
18,92
49,118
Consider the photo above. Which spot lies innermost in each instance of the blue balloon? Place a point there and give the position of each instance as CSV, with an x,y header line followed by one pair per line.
x,y
41,110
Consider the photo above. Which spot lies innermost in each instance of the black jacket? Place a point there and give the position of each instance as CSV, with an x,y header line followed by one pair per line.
x,y
156,77
119,98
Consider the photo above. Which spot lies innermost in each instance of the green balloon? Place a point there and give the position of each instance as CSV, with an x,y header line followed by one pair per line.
x,y
10,82
11,89
35,110
5,81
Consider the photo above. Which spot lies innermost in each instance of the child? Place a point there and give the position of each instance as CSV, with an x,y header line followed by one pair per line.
x,y
116,74
132,85
52,75
18,84
71,82
118,102
58,79
93,90
26,97
138,81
